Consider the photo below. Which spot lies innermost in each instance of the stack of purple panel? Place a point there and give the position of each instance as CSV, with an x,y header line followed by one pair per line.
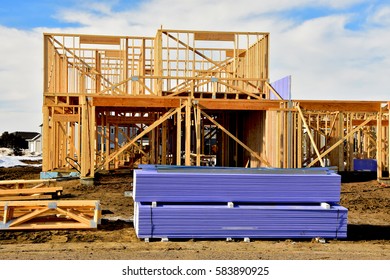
x,y
152,185
183,202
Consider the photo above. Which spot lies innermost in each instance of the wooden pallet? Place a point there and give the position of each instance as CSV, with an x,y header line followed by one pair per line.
x,y
28,189
35,215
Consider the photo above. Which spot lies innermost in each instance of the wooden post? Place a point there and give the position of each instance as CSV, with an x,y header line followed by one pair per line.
x,y
187,147
108,142
164,143
116,145
178,137
388,140
341,147
92,142
198,134
351,144
45,140
277,118
379,144
84,138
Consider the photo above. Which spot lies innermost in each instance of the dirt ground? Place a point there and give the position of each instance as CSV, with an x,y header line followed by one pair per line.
x,y
368,230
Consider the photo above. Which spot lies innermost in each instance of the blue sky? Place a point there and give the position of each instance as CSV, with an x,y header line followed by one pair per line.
x,y
333,49
31,14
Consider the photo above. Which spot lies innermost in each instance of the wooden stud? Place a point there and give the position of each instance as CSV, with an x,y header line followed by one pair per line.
x,y
187,146
379,142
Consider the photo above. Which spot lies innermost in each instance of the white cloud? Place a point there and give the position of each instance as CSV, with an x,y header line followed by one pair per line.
x,y
20,80
326,60
381,16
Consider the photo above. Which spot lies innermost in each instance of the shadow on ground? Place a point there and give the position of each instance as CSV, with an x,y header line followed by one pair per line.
x,y
368,232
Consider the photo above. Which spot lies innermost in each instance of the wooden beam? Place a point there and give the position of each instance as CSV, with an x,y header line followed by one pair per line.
x,y
187,147
65,117
30,191
85,145
197,117
17,183
239,53
134,102
178,138
214,36
105,40
113,54
340,105
45,139
164,132
379,143
233,104
371,123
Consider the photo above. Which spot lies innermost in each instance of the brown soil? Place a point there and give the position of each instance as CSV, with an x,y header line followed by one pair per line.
x,y
368,230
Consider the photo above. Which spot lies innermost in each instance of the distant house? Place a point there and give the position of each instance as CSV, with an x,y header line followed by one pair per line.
x,y
32,140
35,144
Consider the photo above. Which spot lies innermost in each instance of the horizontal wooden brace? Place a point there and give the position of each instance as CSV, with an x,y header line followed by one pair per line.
x,y
340,105
234,104
95,39
134,102
66,117
370,123
122,120
214,36
34,181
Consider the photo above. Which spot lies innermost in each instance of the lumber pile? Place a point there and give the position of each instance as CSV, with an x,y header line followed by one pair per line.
x,y
29,189
204,202
33,215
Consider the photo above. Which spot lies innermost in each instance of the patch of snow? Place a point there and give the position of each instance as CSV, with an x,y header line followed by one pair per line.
x,y
11,161
30,158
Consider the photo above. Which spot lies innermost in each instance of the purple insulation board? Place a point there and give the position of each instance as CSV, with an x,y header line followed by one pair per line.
x,y
365,164
283,87
239,221
151,185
